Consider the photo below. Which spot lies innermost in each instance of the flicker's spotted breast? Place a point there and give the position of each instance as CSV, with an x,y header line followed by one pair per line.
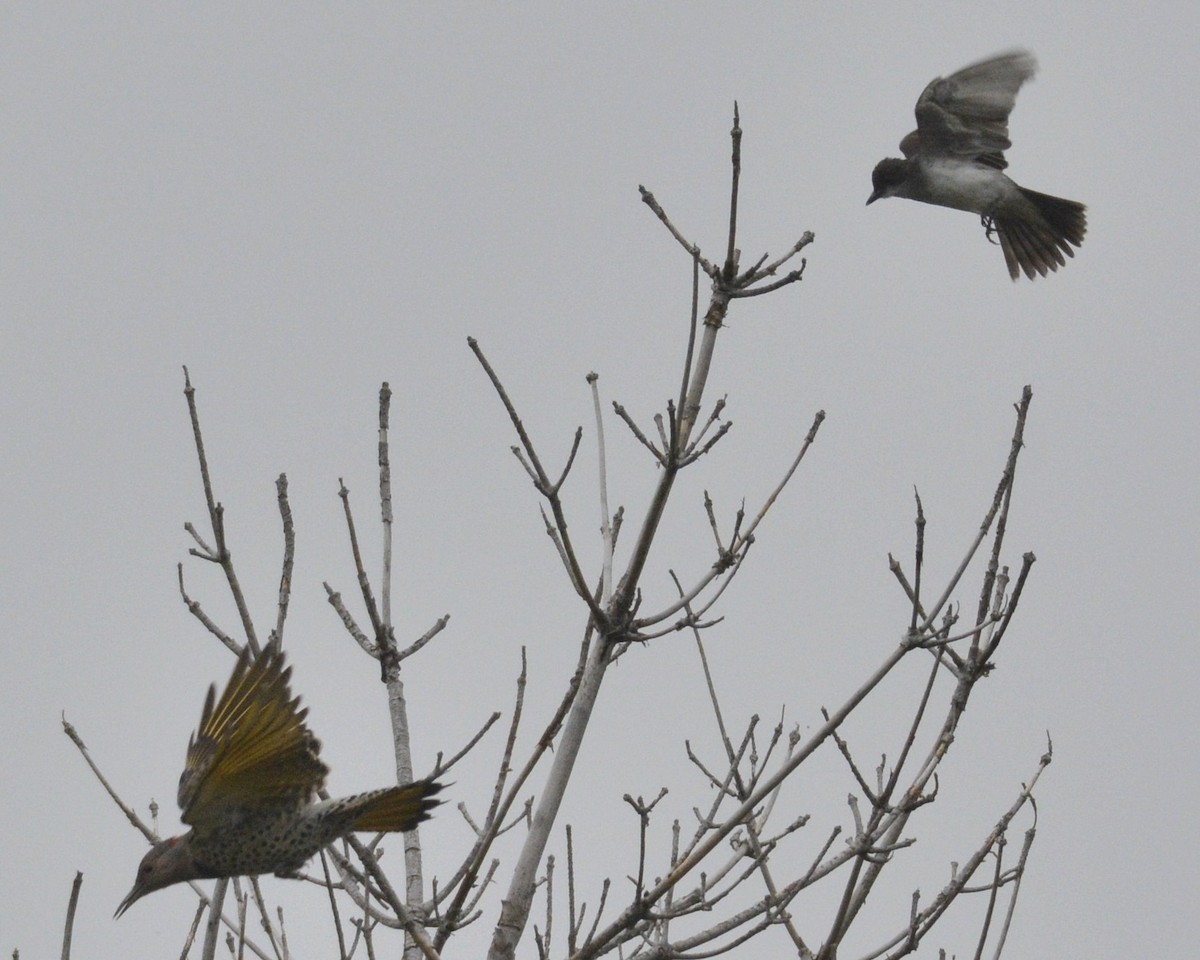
x,y
249,787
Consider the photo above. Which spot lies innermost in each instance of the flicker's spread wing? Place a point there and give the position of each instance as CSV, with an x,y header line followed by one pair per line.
x,y
965,115
252,747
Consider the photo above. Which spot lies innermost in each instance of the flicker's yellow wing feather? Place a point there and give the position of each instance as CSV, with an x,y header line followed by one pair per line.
x,y
252,747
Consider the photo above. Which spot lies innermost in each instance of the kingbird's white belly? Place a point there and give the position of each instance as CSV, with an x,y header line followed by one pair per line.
x,y
965,186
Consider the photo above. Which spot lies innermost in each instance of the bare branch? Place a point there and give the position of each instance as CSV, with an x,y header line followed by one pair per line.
x,y
742,542
692,249
409,922
607,538
543,484
440,767
265,916
998,501
289,556
364,582
193,929
208,948
655,452
735,179
194,608
69,924
438,626
387,639
793,277
348,621
216,514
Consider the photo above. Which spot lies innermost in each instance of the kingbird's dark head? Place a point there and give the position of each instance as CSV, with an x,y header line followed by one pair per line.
x,y
887,177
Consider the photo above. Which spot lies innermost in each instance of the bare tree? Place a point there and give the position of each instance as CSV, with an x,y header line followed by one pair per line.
x,y
735,873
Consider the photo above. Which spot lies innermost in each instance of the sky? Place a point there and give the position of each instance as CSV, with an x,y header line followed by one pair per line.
x,y
302,201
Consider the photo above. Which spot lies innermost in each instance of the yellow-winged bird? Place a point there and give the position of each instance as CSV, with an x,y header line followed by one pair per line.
x,y
249,789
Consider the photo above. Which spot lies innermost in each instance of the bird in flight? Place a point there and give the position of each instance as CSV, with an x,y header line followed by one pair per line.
x,y
955,158
249,788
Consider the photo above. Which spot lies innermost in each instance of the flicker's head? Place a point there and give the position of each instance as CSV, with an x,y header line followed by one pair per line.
x,y
169,861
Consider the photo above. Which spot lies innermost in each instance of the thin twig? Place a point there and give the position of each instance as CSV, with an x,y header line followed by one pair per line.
x,y
289,556
542,482
440,766
69,924
216,513
998,500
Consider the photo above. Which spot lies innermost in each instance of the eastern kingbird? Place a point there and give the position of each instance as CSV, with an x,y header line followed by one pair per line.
x,y
955,157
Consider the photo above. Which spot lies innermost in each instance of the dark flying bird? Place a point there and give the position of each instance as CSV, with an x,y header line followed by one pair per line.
x,y
955,158
249,787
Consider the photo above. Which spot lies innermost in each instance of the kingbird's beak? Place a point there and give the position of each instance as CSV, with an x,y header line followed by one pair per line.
x,y
873,197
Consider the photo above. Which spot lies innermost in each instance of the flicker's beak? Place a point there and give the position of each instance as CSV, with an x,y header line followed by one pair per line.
x,y
135,894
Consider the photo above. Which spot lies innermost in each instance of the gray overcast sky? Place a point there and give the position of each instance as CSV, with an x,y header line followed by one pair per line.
x,y
300,201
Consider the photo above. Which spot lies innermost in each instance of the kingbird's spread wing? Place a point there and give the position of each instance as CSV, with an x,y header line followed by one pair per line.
x,y
965,115
252,747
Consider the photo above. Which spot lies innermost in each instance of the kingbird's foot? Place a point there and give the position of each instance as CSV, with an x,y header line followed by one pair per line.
x,y
989,228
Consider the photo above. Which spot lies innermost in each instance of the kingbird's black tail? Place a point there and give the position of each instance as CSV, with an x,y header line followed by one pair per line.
x,y
1038,247
1065,216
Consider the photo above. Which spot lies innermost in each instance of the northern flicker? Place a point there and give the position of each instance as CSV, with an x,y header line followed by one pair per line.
x,y
249,785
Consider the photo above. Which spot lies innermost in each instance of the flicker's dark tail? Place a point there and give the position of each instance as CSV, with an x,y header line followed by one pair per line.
x,y
1037,245
398,808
